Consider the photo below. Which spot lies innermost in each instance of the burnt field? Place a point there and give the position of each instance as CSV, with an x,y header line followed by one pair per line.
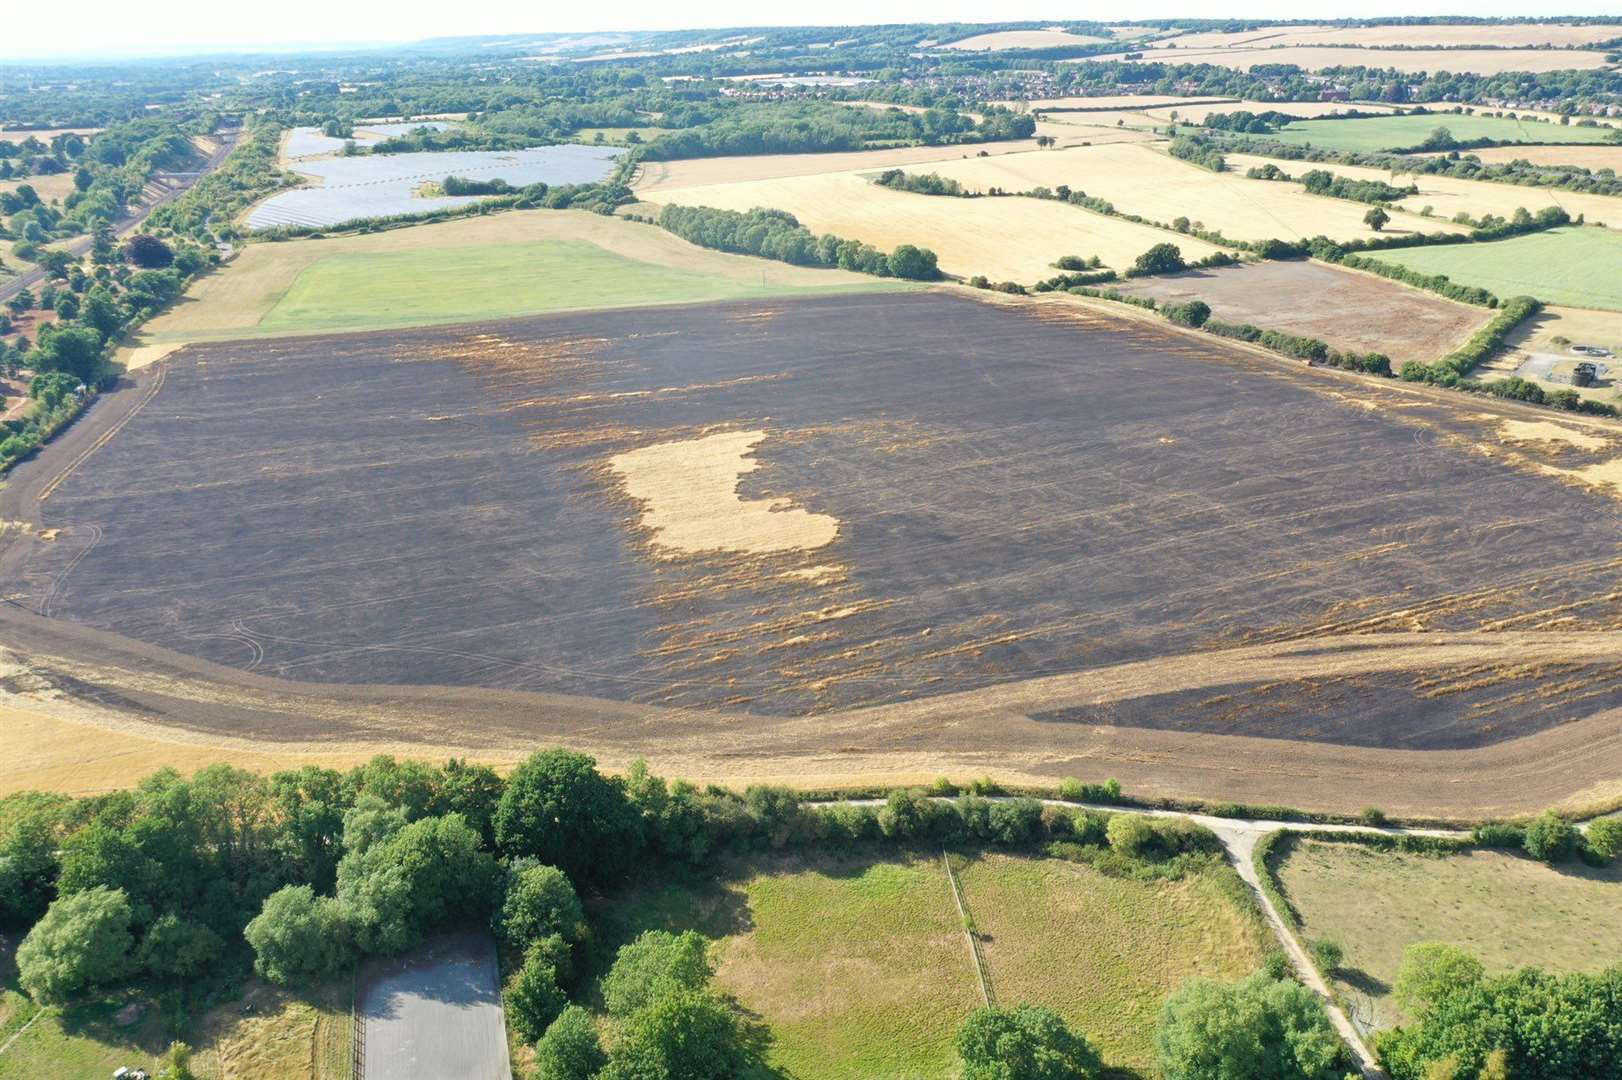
x,y
846,502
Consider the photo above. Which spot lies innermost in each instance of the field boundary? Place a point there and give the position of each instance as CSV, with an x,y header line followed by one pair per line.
x,y
976,953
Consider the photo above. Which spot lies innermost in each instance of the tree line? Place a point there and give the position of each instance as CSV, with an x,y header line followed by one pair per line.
x,y
775,234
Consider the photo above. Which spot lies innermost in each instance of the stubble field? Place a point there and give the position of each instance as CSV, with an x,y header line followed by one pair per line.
x,y
1004,239
1317,58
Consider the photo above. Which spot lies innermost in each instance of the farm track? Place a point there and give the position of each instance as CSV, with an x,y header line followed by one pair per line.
x,y
97,679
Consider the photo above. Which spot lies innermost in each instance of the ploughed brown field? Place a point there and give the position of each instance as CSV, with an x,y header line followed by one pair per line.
x,y
916,526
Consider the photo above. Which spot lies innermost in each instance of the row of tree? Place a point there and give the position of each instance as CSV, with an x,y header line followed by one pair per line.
x,y
776,234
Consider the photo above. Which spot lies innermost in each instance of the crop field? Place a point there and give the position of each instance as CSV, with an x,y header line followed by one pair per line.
x,y
1150,183
1119,101
689,517
461,270
1434,36
1196,114
1447,196
1375,133
1005,239
861,969
385,185
1586,157
1104,952
1508,910
656,176
1577,267
1325,302
1317,58
1022,39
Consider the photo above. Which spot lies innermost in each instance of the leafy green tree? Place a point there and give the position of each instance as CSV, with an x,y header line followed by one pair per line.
x,y
1376,218
101,311
424,875
1328,955
559,809
1429,970
913,263
1255,1028
301,938
28,870
657,963
534,997
70,348
690,1035
82,941
1160,259
1023,1043
176,948
1551,838
148,252
538,901
570,1049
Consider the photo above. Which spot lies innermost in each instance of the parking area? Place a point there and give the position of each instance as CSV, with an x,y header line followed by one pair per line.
x,y
435,1012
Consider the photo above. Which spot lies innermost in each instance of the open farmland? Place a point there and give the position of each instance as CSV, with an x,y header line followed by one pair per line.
x,y
1375,133
277,525
861,969
1577,267
1447,195
1022,39
1105,102
1196,114
1318,58
1585,157
1104,952
1414,36
655,176
52,187
1325,302
519,263
1004,239
1509,910
386,185
1150,183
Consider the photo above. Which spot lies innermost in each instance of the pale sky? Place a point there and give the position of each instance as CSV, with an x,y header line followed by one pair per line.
x,y
163,27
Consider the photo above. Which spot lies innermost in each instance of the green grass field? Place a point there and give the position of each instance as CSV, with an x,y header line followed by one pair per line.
x,y
1401,132
1576,267
1509,910
1104,952
861,969
448,285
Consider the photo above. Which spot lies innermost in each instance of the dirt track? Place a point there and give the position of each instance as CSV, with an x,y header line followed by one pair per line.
x,y
1013,726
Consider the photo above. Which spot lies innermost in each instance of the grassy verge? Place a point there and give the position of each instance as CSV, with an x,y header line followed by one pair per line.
x,y
1510,910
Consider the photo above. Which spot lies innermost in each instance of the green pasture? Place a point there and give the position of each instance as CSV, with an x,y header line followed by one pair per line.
x,y
861,969
1575,267
470,284
1376,133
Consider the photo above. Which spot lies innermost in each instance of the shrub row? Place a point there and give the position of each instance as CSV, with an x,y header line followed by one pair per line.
x,y
1452,368
774,234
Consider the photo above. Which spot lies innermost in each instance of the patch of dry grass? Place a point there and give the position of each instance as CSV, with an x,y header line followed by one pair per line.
x,y
1023,39
1315,58
1509,910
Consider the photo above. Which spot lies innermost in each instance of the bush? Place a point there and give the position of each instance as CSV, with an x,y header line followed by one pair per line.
x,y
656,964
692,1035
1604,839
538,901
1192,313
1498,835
570,1049
1328,955
1130,834
534,997
1551,839
1023,1043
83,941
148,252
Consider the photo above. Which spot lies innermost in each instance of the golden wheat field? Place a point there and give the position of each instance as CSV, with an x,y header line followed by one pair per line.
x,y
1436,36
1004,239
1022,39
1447,195
1148,182
695,172
1586,157
1319,57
